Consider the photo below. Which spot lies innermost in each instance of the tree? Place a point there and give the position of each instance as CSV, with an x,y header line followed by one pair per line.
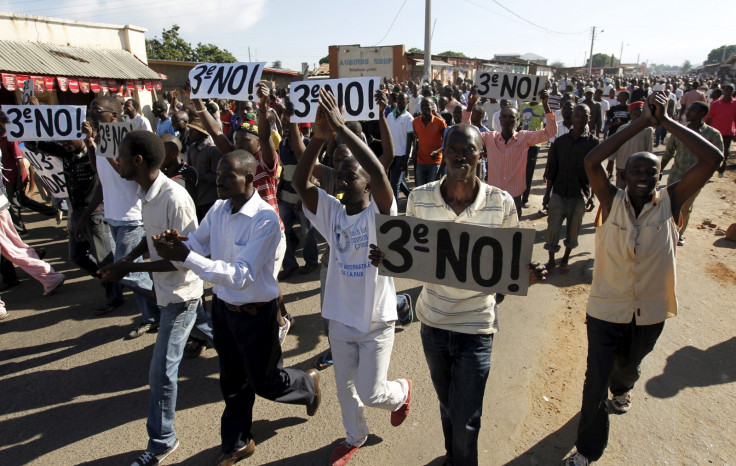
x,y
601,60
324,60
716,55
276,65
450,53
173,47
686,66
557,64
415,50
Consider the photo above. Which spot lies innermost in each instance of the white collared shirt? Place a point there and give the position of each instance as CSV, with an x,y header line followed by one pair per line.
x,y
242,249
168,206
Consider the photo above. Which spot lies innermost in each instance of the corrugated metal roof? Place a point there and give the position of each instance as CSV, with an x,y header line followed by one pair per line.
x,y
48,59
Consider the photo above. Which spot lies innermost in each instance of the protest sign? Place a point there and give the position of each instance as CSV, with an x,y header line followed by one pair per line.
x,y
356,94
44,122
110,136
27,92
235,81
460,255
50,170
498,85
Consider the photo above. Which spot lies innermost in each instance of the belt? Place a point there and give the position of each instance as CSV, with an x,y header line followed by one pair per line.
x,y
250,308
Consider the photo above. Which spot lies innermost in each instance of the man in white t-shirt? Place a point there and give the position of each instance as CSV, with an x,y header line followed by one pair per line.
x,y
360,304
402,132
123,215
132,110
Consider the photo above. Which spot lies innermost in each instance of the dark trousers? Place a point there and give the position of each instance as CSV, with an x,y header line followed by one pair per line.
x,y
531,163
726,146
7,269
250,365
614,354
17,199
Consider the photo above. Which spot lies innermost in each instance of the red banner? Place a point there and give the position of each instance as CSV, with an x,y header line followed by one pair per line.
x,y
63,83
103,86
130,84
20,79
73,86
38,85
84,85
139,85
9,81
158,86
113,85
94,84
148,84
50,83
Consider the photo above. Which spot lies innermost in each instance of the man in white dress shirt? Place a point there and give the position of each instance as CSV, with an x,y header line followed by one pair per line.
x,y
240,233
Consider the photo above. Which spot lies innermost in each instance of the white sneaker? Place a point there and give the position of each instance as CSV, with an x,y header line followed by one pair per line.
x,y
3,313
576,459
283,331
621,403
721,175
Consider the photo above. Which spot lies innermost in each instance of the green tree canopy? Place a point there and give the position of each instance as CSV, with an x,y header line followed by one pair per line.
x,y
716,55
450,53
415,50
172,47
601,60
686,66
324,60
276,65
557,64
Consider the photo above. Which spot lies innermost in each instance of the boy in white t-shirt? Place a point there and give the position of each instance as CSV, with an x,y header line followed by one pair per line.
x,y
360,304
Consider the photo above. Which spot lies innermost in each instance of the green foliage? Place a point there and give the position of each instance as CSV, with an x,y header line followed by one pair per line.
x,y
686,66
601,60
415,50
716,55
324,60
450,53
557,64
276,65
172,47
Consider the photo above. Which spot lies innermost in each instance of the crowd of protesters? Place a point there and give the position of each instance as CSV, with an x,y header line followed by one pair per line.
x,y
226,193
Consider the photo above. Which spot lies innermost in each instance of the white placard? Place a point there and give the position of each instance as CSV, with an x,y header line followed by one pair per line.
x,y
356,94
235,81
50,170
44,122
498,85
110,136
464,256
27,92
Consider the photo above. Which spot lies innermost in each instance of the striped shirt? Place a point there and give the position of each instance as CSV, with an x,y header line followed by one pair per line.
x,y
242,247
507,160
450,308
266,182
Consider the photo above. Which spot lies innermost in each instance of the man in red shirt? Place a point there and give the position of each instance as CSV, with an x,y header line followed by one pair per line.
x,y
428,130
722,116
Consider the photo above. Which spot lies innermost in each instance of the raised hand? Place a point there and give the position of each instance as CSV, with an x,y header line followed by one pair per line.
x,y
321,127
332,113
262,91
381,100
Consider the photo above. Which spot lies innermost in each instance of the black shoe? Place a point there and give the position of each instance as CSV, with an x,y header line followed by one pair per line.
x,y
194,348
142,329
108,308
308,268
314,404
228,459
286,273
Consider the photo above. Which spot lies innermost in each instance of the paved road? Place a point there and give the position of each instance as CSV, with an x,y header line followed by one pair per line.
x,y
74,391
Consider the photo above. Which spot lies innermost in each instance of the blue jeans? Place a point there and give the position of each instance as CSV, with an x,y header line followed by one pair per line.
x,y
458,364
311,253
126,238
426,173
177,321
396,176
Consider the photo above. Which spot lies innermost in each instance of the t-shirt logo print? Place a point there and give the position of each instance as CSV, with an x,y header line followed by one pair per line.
x,y
342,237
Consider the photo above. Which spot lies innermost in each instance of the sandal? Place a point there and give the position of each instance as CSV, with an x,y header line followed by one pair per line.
x,y
324,361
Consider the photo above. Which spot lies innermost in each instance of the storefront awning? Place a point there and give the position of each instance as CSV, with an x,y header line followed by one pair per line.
x,y
34,58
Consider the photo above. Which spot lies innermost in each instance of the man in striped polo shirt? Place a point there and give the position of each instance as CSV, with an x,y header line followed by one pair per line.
x,y
458,325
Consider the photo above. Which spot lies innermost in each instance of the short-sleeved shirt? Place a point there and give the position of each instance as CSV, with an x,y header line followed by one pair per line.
x,y
643,141
266,182
565,167
429,139
400,126
355,294
165,127
447,307
684,159
167,206
722,116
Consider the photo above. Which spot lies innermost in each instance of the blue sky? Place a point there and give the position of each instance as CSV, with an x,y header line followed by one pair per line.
x,y
296,31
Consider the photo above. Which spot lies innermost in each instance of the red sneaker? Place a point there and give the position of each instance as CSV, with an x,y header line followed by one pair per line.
x,y
342,454
400,415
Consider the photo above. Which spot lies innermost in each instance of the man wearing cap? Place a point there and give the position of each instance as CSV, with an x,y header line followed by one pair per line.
x,y
642,142
203,156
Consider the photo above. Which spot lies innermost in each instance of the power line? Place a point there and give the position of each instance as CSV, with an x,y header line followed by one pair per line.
x,y
392,24
524,19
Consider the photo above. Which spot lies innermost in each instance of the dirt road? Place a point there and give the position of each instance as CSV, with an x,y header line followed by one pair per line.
x,y
74,391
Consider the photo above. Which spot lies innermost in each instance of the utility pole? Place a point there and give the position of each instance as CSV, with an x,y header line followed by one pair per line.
x,y
428,40
590,64
621,54
249,54
723,60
